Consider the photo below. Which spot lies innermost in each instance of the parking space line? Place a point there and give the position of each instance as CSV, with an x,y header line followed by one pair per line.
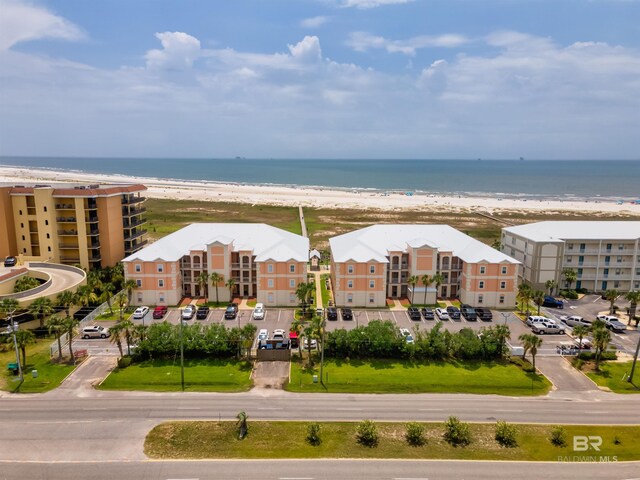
x,y
278,319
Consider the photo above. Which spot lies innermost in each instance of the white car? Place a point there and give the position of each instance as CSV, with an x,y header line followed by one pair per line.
x,y
612,323
442,313
314,343
95,331
263,334
537,319
140,312
278,334
258,312
405,332
188,312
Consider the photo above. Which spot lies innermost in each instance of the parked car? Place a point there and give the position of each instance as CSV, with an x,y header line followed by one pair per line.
x,y
332,313
188,312
406,335
484,314
549,301
160,311
202,313
586,344
533,319
575,320
293,338
310,345
10,261
263,334
95,331
453,312
347,314
259,311
427,313
547,327
442,313
414,313
612,323
231,311
278,334
140,312
468,312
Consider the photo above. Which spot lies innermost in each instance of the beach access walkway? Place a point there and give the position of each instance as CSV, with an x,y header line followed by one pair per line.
x,y
302,224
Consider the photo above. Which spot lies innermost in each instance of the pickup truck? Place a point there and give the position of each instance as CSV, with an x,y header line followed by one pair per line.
x,y
549,301
547,327
612,323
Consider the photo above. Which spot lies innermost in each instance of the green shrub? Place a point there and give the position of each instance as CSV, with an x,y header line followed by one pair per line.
x,y
608,355
583,291
415,434
570,294
577,363
367,434
457,433
558,436
313,434
506,434
124,362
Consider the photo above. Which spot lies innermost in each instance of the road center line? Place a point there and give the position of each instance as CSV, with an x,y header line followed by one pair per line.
x,y
431,409
513,411
350,409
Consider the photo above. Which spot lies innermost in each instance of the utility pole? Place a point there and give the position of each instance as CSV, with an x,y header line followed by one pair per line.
x,y
635,359
14,327
181,354
322,352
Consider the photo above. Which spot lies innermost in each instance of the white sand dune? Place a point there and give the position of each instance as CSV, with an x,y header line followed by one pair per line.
x,y
313,197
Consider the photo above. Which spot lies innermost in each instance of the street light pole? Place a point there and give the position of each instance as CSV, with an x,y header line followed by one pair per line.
x,y
322,352
635,359
505,316
14,327
181,354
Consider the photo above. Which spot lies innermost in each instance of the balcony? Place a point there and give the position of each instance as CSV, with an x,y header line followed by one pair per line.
x,y
70,259
134,248
134,235
132,200
399,266
93,232
94,246
67,246
129,212
91,219
66,219
65,206
133,223
67,233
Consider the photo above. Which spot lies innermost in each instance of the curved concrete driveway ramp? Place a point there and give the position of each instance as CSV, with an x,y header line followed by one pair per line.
x,y
58,279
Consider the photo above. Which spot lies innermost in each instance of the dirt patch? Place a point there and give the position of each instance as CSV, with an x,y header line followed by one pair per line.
x,y
270,375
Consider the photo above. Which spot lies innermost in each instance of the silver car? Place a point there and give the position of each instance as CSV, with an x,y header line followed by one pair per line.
x,y
95,331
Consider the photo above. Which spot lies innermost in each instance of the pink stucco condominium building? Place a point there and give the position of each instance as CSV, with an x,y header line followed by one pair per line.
x,y
376,262
264,262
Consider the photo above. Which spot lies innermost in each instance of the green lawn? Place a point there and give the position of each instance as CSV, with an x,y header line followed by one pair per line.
x,y
397,376
326,295
614,376
210,375
50,374
287,440
110,317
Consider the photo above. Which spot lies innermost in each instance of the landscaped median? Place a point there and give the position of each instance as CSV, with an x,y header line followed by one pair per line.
x,y
339,440
405,376
207,375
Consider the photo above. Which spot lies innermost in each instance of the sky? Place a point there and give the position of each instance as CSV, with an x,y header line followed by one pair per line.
x,y
434,79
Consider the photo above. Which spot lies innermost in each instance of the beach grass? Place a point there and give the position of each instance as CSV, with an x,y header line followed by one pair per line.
x,y
613,375
405,376
211,439
203,375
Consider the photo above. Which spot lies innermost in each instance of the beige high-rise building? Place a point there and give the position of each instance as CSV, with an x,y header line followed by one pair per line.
x,y
90,225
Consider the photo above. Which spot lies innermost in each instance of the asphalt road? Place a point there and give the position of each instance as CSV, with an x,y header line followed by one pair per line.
x,y
318,470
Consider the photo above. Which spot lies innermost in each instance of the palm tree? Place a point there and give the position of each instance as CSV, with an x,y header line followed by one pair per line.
x,y
66,299
413,281
116,336
55,324
524,296
216,278
426,281
601,339
633,298
138,333
503,333
438,280
242,425
551,284
121,300
231,283
70,325
538,298
303,292
298,326
570,276
530,343
202,279
40,308
8,306
127,329
130,285
611,296
107,291
94,280
85,295
24,338
580,331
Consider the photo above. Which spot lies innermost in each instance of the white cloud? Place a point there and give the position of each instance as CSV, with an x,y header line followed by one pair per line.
x,y
308,49
20,22
363,41
365,4
179,51
314,22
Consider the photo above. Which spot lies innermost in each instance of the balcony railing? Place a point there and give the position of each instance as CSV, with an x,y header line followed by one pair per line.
x,y
129,212
67,233
132,200
134,223
134,235
91,219
136,247
65,206
64,246
66,219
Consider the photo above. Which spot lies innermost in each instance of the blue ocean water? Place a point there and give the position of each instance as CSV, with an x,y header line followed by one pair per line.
x,y
560,179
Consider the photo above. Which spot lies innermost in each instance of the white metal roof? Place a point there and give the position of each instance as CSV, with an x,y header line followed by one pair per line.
x,y
375,243
266,242
577,230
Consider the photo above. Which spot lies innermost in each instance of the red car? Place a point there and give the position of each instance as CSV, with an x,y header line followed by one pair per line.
x,y
159,312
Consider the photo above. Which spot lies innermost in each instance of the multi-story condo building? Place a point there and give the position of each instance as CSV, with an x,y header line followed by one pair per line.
x,y
90,225
263,261
604,255
375,263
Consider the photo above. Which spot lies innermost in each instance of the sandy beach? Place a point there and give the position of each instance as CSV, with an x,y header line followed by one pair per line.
x,y
314,197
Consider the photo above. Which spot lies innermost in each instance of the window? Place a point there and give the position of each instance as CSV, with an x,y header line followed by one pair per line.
x,y
46,222
350,284
349,268
270,268
372,284
160,268
616,284
292,268
504,270
292,298
620,246
503,285
618,271
292,283
372,299
609,246
24,250
45,208
513,240
501,299
270,298
139,298
160,283
569,258
582,245
481,284
23,237
570,246
480,298
349,298
138,268
48,235
513,252
161,298
372,269
22,225
139,283
619,259
482,270
270,283
49,249
19,212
